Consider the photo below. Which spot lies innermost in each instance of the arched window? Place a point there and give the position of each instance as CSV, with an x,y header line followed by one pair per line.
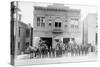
x,y
58,22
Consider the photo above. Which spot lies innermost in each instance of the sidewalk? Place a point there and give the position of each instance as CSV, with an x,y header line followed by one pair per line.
x,y
26,61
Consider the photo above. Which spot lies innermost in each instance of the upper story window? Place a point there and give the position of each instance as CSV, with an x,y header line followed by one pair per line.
x,y
74,26
41,21
50,22
74,20
27,32
58,22
19,31
38,21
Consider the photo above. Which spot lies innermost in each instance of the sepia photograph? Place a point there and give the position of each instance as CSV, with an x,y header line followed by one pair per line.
x,y
47,33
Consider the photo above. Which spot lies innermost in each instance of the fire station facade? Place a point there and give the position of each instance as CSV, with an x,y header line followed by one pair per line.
x,y
52,23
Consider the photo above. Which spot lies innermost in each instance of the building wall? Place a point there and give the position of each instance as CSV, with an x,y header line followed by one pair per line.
x,y
92,30
65,17
21,38
89,29
85,31
70,23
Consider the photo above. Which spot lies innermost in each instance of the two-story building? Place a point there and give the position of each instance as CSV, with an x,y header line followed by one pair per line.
x,y
56,22
23,37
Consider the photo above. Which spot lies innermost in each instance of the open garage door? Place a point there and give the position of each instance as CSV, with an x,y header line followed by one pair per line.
x,y
48,41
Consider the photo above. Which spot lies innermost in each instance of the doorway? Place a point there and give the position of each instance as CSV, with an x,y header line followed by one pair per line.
x,y
48,41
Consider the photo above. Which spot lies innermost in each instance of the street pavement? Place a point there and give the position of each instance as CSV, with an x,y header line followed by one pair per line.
x,y
24,59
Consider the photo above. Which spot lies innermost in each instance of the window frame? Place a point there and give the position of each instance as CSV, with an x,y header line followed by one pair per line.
x,y
41,21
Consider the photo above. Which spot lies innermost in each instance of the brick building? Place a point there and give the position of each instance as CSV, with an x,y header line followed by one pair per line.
x,y
56,22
